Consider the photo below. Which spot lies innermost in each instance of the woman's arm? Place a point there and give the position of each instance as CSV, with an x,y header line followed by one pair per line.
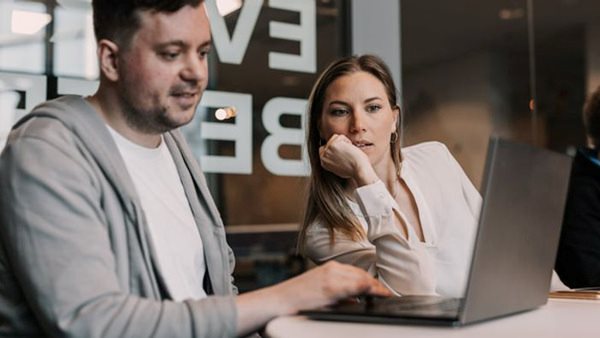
x,y
402,264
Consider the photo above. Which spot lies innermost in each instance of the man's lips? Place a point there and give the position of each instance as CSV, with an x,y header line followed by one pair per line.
x,y
184,94
185,99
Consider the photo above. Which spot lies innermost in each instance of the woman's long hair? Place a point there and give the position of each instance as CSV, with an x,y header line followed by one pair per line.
x,y
326,198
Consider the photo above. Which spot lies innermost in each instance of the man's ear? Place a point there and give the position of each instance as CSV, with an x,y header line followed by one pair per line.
x,y
108,53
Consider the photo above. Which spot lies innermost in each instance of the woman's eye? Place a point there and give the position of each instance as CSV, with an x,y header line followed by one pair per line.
x,y
373,108
338,112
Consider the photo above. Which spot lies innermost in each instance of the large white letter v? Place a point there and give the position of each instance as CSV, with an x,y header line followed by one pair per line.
x,y
233,50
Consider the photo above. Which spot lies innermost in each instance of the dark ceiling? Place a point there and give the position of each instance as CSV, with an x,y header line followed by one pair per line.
x,y
437,30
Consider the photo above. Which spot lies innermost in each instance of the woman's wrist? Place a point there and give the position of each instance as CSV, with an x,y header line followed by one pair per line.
x,y
365,175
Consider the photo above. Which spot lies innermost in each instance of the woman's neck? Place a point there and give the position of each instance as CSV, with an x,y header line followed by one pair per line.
x,y
389,175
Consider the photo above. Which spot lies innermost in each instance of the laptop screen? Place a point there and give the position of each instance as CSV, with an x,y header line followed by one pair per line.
x,y
524,193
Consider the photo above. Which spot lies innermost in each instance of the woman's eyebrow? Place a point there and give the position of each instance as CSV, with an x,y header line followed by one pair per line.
x,y
372,99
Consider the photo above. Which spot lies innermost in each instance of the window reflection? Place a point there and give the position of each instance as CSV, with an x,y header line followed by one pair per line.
x,y
74,42
22,34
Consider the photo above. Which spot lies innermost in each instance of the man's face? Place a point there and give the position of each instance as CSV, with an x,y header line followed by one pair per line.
x,y
164,71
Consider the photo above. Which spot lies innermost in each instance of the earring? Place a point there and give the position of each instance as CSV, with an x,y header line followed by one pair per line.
x,y
394,137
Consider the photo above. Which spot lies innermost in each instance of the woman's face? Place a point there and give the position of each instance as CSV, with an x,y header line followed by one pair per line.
x,y
357,106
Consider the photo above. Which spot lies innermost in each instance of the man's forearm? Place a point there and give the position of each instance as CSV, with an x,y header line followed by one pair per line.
x,y
317,287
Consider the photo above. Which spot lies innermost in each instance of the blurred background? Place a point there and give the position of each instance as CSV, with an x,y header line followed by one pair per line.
x,y
466,69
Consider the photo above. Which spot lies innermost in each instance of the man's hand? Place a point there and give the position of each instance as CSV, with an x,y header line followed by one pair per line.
x,y
325,285
317,287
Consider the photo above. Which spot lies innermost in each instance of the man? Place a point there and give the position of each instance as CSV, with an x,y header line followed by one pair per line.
x,y
107,227
578,258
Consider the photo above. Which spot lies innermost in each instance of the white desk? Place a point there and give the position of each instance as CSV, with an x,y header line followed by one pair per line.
x,y
558,318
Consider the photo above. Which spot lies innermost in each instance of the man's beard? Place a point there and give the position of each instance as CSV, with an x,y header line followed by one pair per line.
x,y
154,120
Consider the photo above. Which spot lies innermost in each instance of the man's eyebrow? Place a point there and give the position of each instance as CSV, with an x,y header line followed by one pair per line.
x,y
176,43
182,44
206,44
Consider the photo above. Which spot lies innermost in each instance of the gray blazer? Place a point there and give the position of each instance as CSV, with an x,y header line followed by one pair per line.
x,y
75,259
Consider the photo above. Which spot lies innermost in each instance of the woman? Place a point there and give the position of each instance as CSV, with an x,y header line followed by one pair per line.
x,y
407,216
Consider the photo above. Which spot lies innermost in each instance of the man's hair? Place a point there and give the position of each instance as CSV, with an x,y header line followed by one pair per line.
x,y
118,20
591,117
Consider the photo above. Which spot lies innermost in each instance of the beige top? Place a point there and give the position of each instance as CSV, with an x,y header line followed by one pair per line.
x,y
448,206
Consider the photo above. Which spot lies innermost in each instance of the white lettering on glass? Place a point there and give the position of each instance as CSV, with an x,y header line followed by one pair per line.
x,y
232,50
280,135
240,132
305,33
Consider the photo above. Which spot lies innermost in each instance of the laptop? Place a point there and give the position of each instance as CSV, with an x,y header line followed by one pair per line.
x,y
524,193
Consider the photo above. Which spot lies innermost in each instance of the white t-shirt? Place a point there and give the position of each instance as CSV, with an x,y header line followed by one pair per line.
x,y
174,236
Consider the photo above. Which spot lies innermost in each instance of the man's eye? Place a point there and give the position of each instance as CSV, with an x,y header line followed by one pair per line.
x,y
170,55
204,53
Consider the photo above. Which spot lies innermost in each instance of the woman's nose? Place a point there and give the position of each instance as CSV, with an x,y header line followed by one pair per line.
x,y
357,123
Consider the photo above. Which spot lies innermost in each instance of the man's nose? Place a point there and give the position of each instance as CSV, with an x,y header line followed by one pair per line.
x,y
195,69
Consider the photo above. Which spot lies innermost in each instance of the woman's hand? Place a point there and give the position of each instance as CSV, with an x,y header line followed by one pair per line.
x,y
344,159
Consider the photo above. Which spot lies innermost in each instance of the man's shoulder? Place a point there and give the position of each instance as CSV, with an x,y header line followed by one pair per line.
x,y
65,108
53,119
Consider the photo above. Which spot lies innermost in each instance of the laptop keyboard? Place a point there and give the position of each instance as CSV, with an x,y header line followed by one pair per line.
x,y
414,305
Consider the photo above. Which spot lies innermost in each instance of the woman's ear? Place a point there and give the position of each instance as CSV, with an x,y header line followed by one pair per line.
x,y
397,115
108,53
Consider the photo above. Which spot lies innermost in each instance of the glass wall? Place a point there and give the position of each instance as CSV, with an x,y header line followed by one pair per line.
x,y
520,69
516,68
